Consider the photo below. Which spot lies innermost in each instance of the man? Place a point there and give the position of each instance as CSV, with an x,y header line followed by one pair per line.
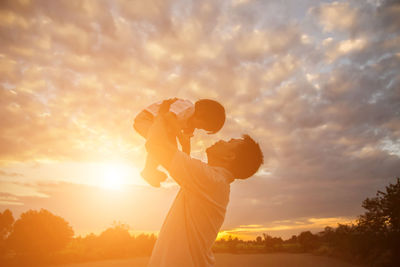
x,y
196,216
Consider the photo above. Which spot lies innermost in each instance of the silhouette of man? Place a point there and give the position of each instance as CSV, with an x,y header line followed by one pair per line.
x,y
198,211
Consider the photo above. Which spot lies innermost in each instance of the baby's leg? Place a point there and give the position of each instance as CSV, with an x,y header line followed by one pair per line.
x,y
143,122
151,174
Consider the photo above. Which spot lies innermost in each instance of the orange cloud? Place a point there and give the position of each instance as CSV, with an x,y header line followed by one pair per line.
x,y
278,228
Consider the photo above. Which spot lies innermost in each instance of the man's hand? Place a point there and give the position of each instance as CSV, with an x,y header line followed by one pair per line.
x,y
166,104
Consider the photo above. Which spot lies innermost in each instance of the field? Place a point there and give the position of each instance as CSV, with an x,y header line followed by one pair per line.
x,y
231,260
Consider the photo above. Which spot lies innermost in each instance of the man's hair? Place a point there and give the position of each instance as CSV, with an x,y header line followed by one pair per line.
x,y
248,159
212,113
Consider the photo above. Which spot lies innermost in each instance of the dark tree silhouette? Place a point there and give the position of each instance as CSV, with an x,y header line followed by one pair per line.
x,y
39,233
116,241
308,241
272,243
6,224
380,224
383,211
375,238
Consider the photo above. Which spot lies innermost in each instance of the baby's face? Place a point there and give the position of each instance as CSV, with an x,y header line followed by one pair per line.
x,y
199,124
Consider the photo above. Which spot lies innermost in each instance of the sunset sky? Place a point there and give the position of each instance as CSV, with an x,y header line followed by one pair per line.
x,y
316,83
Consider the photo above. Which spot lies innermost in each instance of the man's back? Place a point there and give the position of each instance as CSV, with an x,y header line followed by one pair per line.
x,y
196,215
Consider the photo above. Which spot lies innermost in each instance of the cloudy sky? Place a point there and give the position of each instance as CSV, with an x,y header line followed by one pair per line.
x,y
316,83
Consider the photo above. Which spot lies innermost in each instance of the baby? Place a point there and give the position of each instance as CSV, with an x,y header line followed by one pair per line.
x,y
185,117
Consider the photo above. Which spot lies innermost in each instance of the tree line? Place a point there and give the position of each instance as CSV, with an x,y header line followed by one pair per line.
x,y
40,237
373,240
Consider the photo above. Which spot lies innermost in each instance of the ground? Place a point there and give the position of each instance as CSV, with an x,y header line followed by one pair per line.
x,y
232,260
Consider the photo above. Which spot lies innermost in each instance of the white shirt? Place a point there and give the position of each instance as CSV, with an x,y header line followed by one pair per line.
x,y
195,217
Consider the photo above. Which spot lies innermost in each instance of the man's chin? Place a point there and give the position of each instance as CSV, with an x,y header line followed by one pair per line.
x,y
208,149
209,153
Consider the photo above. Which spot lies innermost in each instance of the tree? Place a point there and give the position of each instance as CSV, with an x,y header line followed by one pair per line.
x,y
383,211
293,239
39,233
381,223
328,235
116,241
144,244
272,243
232,244
6,224
308,241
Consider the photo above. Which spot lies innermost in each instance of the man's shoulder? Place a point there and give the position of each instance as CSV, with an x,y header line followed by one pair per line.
x,y
201,168
221,174
182,158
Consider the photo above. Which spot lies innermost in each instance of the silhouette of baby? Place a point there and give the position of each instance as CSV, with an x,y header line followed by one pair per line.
x,y
182,117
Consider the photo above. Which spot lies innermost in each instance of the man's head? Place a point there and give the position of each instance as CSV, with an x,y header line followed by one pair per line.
x,y
242,156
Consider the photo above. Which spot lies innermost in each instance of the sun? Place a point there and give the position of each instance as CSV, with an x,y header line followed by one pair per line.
x,y
114,176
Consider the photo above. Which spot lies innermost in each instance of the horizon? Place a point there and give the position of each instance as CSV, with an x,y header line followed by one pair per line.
x,y
224,234
315,83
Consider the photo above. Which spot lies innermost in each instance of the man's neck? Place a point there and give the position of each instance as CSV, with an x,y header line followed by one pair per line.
x,y
222,165
218,163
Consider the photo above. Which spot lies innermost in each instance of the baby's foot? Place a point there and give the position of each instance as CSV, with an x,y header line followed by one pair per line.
x,y
153,177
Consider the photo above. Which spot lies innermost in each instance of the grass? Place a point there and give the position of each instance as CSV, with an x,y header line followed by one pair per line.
x,y
232,260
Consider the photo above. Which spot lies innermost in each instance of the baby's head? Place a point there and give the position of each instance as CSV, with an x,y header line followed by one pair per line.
x,y
209,115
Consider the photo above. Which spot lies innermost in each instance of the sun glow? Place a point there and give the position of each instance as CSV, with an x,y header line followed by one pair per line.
x,y
114,176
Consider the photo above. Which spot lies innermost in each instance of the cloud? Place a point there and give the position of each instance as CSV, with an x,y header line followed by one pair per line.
x,y
336,16
10,174
18,189
284,228
9,200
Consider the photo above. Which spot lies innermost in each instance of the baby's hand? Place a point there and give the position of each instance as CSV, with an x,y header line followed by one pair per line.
x,y
165,105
